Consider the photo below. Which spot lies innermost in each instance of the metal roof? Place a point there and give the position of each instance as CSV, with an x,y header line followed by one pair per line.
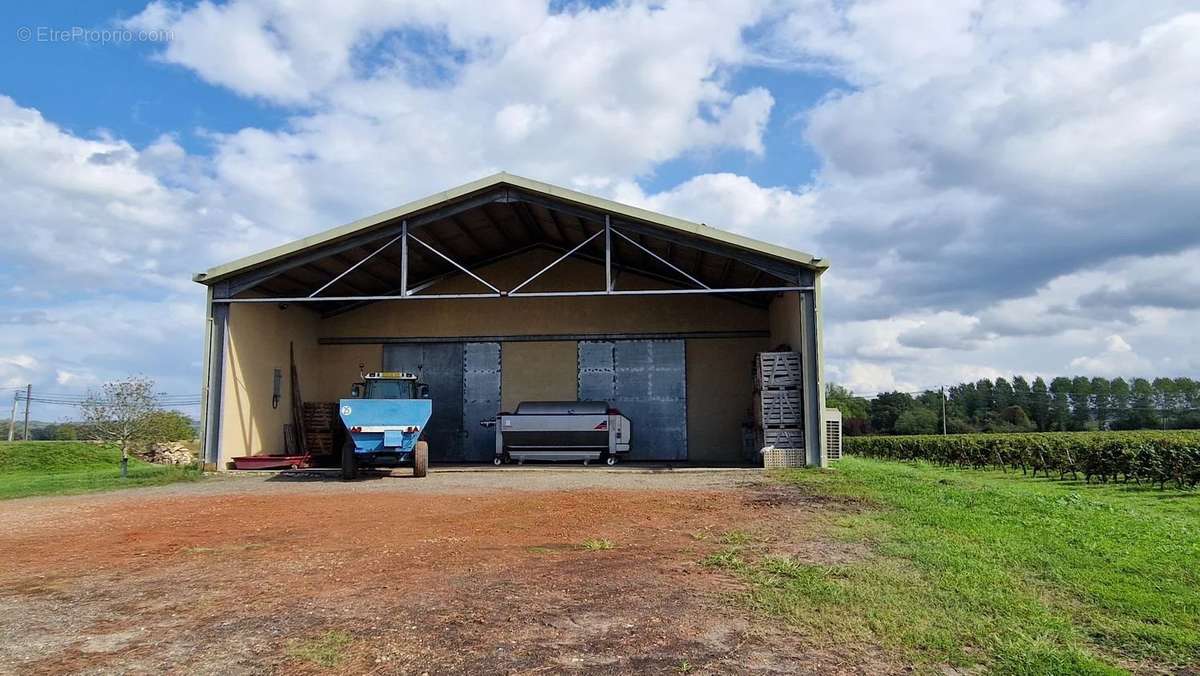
x,y
590,203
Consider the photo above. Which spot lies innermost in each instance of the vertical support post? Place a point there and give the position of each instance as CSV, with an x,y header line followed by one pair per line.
x,y
204,371
814,378
404,258
218,330
12,418
28,394
608,280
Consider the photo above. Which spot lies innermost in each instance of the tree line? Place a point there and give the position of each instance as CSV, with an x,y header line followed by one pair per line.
x,y
1020,405
175,426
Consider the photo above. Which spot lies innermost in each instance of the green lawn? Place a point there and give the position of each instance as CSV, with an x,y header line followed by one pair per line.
x,y
60,467
1019,575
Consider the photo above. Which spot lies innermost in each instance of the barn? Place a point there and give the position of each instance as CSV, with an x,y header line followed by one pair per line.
x,y
505,290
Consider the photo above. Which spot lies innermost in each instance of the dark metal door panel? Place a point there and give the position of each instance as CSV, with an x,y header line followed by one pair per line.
x,y
481,399
439,365
597,378
647,380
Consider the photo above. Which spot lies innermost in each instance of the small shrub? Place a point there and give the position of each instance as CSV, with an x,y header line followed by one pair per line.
x,y
597,544
727,559
326,650
737,538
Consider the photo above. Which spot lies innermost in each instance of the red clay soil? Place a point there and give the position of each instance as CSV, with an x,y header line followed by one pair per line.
x,y
492,582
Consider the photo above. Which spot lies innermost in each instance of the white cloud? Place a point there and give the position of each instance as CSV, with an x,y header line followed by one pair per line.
x,y
290,55
942,330
514,122
89,341
1007,149
570,97
735,203
868,378
1116,359
86,208
16,369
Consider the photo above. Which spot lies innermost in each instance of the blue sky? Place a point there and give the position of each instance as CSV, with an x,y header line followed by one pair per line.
x,y
119,87
1002,187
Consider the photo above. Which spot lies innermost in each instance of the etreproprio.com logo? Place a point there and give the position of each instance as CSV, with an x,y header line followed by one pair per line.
x,y
91,35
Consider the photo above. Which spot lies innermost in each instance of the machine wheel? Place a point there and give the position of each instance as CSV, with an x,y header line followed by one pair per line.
x,y
610,460
349,462
497,461
420,459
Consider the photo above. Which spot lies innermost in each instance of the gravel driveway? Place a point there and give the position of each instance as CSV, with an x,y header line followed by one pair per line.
x,y
501,571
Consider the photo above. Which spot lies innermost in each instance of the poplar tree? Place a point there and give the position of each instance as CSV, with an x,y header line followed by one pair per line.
x,y
1039,404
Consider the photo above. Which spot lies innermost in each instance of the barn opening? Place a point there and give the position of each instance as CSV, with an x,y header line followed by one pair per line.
x,y
506,290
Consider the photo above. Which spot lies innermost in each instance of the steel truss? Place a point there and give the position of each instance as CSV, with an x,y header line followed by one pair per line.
x,y
407,293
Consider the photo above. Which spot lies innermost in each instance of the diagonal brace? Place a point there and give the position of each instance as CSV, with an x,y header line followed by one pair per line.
x,y
560,259
659,258
355,266
451,261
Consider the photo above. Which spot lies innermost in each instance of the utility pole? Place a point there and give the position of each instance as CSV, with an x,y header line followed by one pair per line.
x,y
12,418
28,393
943,409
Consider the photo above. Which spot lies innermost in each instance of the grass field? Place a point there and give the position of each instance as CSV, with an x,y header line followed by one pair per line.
x,y
60,467
973,567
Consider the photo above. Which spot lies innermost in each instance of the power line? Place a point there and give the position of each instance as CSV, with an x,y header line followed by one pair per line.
x,y
63,397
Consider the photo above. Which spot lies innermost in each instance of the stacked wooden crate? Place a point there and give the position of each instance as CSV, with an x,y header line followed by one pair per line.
x,y
320,421
779,408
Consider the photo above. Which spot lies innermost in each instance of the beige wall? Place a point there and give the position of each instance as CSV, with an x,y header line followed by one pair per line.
x,y
538,371
259,335
720,390
785,321
337,368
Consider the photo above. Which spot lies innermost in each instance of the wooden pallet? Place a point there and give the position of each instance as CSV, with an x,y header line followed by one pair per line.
x,y
778,369
320,416
780,437
779,407
320,443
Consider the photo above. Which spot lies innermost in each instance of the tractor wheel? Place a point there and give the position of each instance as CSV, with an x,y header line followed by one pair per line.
x,y
349,462
420,459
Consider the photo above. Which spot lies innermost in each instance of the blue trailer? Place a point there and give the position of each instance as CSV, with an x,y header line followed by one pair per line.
x,y
385,417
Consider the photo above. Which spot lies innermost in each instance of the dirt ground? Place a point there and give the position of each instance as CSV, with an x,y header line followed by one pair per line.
x,y
479,572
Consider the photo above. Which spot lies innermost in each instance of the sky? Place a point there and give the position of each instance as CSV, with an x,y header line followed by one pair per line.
x,y
1000,187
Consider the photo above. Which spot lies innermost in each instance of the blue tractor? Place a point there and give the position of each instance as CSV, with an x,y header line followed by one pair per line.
x,y
384,418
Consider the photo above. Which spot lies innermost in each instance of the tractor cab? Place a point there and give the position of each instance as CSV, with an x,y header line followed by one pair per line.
x,y
389,385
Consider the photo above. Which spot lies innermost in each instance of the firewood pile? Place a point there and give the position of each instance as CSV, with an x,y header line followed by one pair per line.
x,y
169,453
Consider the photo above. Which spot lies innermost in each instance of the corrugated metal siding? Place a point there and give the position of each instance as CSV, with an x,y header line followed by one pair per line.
x,y
440,365
647,380
597,374
481,399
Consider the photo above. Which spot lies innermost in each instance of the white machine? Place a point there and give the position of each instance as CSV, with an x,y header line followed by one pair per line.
x,y
562,430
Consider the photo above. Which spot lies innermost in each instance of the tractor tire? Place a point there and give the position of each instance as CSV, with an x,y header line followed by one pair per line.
x,y
349,462
420,459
